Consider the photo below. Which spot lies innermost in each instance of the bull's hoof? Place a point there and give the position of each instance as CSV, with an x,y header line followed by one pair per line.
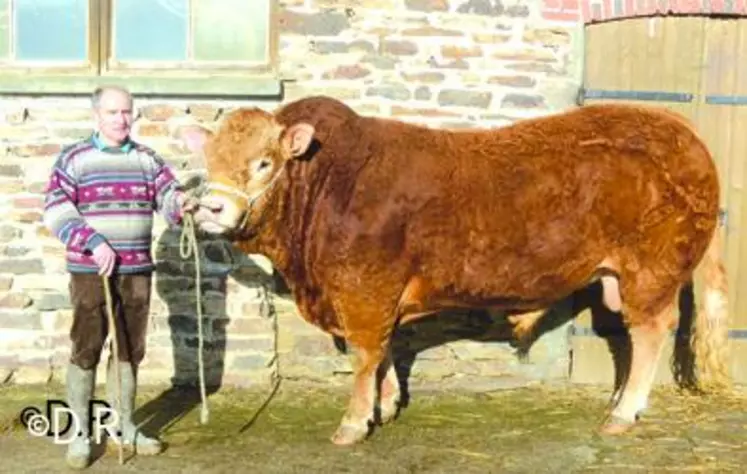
x,y
349,434
616,426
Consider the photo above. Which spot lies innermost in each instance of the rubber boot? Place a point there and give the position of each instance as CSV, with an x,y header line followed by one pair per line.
x,y
133,438
80,386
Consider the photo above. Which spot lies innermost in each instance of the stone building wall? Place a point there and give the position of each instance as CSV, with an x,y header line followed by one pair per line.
x,y
456,63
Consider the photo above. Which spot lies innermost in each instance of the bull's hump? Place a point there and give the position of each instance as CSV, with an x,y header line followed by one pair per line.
x,y
324,113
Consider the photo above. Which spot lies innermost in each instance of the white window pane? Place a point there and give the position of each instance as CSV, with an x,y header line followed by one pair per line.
x,y
231,30
150,30
51,29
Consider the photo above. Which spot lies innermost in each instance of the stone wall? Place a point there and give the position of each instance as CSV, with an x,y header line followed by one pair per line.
x,y
460,63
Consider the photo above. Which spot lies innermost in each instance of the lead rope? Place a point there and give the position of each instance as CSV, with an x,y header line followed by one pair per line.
x,y
114,351
187,247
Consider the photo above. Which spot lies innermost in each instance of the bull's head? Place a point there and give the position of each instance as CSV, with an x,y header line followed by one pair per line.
x,y
245,159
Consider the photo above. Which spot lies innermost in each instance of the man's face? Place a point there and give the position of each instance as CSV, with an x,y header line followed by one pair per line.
x,y
114,116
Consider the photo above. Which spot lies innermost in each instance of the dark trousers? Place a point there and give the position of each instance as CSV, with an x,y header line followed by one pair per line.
x,y
130,295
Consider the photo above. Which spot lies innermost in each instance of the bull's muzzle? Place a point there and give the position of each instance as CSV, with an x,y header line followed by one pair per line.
x,y
220,213
232,208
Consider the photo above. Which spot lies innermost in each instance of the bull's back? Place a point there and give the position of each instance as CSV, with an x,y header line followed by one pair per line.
x,y
540,204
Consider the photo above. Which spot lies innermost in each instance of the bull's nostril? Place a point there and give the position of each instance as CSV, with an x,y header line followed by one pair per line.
x,y
212,206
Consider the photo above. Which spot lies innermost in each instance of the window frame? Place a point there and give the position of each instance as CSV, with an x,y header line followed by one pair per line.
x,y
219,78
34,68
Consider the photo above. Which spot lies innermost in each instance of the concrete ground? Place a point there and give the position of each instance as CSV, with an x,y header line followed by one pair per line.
x,y
538,429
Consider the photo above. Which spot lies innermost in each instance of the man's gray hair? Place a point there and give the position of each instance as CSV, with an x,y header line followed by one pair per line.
x,y
96,96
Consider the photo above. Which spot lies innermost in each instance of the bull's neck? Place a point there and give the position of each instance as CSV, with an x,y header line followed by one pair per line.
x,y
283,235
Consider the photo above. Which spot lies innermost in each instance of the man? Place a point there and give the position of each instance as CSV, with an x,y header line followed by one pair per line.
x,y
100,201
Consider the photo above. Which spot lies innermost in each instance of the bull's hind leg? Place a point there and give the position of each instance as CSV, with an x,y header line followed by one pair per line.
x,y
524,323
647,337
389,397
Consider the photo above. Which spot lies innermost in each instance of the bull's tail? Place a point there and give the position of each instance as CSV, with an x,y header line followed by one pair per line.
x,y
709,334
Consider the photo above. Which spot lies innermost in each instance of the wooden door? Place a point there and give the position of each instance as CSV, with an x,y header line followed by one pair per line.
x,y
687,64
722,120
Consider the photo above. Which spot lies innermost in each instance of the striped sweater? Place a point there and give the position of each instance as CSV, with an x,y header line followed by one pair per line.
x,y
98,193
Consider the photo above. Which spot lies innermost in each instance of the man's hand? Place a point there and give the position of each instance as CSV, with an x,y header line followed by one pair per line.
x,y
187,203
105,257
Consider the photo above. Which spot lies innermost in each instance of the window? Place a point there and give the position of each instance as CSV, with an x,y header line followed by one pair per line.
x,y
153,45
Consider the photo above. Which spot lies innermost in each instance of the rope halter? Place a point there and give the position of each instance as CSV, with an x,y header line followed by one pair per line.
x,y
249,199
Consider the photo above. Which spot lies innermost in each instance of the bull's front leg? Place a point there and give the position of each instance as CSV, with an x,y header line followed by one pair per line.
x,y
368,318
358,418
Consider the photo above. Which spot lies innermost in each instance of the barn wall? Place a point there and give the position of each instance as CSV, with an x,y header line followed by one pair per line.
x,y
462,63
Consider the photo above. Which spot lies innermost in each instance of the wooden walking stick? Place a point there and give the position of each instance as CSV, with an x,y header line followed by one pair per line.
x,y
114,354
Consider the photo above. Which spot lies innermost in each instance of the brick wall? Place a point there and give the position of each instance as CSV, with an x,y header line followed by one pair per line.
x,y
461,63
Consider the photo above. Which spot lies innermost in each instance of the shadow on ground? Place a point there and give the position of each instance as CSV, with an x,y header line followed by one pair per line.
x,y
531,430
481,326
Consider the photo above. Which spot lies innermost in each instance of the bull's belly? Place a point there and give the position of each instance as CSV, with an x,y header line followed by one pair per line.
x,y
496,291
497,301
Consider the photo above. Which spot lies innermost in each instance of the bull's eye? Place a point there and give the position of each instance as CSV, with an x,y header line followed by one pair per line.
x,y
262,165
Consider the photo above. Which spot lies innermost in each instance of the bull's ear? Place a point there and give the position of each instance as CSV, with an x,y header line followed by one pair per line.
x,y
296,139
194,137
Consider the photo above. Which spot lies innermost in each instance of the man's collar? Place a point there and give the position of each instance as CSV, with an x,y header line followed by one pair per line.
x,y
100,145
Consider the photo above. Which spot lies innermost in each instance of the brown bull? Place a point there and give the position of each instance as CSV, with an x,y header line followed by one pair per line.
x,y
374,222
